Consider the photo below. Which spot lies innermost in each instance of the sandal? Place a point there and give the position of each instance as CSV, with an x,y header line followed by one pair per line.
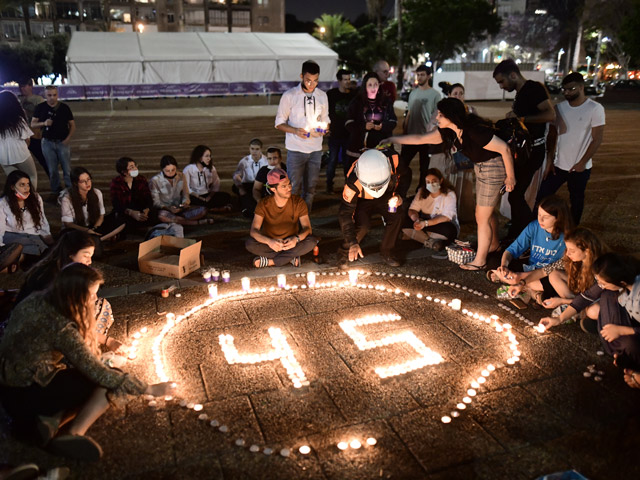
x,y
295,261
79,447
473,268
260,262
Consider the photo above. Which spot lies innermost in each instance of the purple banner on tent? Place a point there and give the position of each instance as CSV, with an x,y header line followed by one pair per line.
x,y
97,91
71,92
239,88
215,88
123,91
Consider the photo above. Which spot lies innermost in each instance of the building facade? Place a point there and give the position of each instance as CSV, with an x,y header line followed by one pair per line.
x,y
49,16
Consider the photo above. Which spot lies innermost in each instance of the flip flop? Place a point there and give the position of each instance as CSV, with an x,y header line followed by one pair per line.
x,y
260,262
470,267
295,261
492,277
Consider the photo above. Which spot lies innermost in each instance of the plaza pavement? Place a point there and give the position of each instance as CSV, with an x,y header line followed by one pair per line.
x,y
538,416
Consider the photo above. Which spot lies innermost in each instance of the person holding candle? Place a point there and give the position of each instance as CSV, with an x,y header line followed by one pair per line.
x,y
370,118
170,195
617,287
303,114
544,238
51,371
83,207
130,196
370,190
22,218
433,213
281,229
493,166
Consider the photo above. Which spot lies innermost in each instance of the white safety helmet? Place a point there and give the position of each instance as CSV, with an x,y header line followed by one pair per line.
x,y
374,172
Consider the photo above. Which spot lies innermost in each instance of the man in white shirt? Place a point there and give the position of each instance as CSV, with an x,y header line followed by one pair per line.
x,y
245,175
573,139
303,114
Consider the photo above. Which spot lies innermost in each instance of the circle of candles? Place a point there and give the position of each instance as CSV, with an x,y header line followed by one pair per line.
x,y
355,444
343,445
268,451
226,276
282,280
466,400
311,278
456,304
197,407
285,452
371,441
446,419
246,283
471,392
305,449
475,384
455,414
353,276
254,448
461,406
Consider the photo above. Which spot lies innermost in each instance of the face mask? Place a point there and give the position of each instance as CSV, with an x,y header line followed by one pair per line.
x,y
169,177
133,173
433,187
21,196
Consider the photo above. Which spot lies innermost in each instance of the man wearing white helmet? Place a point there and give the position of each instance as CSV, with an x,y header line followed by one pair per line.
x,y
369,190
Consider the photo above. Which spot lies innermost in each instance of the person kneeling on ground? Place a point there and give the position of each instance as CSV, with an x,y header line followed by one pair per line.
x,y
369,190
433,213
617,287
51,367
281,229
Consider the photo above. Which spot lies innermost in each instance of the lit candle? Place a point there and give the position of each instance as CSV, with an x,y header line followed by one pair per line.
x,y
353,276
311,278
393,204
213,290
282,280
446,419
305,449
371,441
226,276
215,275
456,304
343,445
355,444
246,283
206,276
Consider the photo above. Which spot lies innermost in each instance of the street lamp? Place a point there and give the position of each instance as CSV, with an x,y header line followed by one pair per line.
x,y
560,53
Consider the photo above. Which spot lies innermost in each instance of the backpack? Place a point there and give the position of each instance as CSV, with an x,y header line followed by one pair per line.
x,y
517,137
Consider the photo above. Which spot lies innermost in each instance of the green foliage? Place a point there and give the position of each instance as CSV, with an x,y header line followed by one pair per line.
x,y
360,49
334,26
60,45
32,58
444,28
630,32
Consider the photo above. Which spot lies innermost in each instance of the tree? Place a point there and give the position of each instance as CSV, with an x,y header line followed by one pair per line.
x,y
330,27
32,58
59,46
537,34
445,28
630,32
360,49
374,8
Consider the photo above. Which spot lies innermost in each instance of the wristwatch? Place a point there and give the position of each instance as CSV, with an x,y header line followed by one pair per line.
x,y
298,238
426,223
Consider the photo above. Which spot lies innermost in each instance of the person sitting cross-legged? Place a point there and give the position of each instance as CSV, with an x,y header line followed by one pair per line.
x,y
281,229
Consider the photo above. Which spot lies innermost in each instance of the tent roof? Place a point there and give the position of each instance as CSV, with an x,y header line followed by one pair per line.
x,y
233,46
296,45
104,47
168,46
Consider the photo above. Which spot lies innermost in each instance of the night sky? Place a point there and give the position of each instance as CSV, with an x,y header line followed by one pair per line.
x,y
307,10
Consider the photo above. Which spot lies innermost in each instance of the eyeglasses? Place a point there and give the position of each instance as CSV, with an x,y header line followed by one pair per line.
x,y
569,89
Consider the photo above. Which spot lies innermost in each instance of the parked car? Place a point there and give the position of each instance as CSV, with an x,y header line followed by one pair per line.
x,y
626,85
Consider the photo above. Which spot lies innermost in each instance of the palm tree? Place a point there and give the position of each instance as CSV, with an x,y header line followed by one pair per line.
x,y
374,7
331,27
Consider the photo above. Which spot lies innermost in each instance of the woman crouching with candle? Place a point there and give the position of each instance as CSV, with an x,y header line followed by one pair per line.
x,y
50,369
617,286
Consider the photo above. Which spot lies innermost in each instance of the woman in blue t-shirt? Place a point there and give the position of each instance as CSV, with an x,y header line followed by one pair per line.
x,y
544,238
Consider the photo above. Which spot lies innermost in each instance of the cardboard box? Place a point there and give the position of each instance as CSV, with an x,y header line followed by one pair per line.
x,y
169,256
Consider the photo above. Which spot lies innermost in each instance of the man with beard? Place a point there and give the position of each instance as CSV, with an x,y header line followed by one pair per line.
x,y
421,109
303,114
533,107
573,139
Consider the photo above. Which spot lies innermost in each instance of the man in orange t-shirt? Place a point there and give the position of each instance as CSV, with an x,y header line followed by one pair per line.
x,y
281,229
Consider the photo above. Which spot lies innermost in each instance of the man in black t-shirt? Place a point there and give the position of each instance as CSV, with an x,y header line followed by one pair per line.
x,y
274,160
339,100
533,107
56,120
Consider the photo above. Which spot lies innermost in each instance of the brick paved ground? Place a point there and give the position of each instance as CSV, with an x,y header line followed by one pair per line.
x,y
539,416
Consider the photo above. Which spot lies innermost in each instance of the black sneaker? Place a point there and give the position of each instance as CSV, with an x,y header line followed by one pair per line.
x,y
78,447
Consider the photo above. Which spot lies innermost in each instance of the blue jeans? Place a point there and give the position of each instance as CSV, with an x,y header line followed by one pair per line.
x,y
337,154
577,183
303,170
55,152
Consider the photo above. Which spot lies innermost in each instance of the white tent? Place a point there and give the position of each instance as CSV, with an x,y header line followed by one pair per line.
x,y
98,58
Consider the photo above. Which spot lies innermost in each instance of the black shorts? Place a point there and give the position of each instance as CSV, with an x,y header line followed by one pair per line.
x,y
69,390
547,289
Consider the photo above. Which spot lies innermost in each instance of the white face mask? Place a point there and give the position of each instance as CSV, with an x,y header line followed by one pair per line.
x,y
433,187
133,173
21,196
